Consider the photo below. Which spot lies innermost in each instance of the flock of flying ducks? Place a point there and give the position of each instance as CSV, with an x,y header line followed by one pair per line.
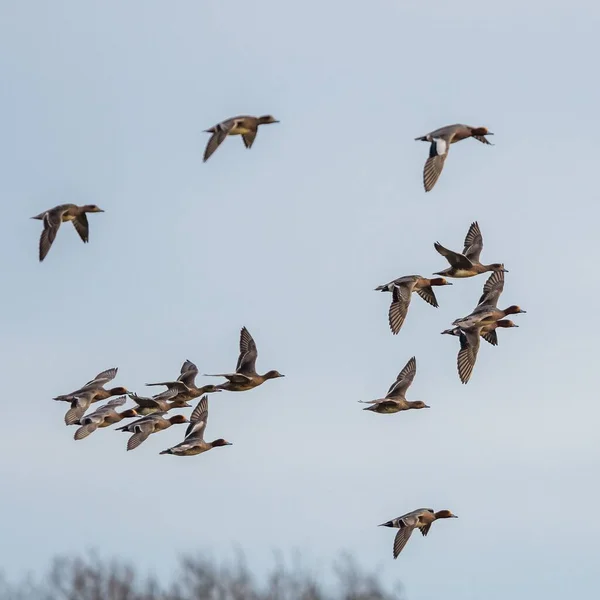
x,y
151,413
153,410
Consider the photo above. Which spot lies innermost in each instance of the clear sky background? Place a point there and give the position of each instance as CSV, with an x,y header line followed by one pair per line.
x,y
105,103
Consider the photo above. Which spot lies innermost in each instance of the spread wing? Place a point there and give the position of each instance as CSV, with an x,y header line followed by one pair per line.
x,y
401,538
404,379
473,242
216,139
248,353
81,227
482,139
491,337
492,289
467,355
428,295
399,307
198,420
435,163
454,258
102,378
249,138
52,221
188,374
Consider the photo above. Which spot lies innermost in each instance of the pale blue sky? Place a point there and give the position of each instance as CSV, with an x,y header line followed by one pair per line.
x,y
105,103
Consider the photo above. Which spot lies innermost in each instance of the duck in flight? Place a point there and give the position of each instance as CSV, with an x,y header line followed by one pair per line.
x,y
61,214
395,400
467,264
440,140
402,289
194,442
420,519
245,126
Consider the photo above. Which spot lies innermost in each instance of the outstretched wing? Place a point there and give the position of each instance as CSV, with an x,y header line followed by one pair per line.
x,y
399,307
427,294
467,355
198,420
473,242
492,289
81,227
52,221
247,360
249,138
454,258
435,163
404,379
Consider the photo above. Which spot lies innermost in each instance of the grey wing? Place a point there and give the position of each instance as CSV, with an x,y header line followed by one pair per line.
x,y
492,289
233,377
178,385
52,221
404,379
473,242
102,378
412,517
248,353
428,295
454,258
482,139
144,402
216,139
398,307
401,538
249,138
85,430
467,355
491,337
198,420
166,395
116,402
138,437
188,373
81,227
78,407
435,163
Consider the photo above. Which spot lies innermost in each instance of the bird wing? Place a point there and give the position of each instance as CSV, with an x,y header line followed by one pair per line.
x,y
399,307
435,163
401,538
80,223
427,294
455,259
249,138
52,221
492,289
404,379
188,374
246,363
467,355
198,420
473,242
491,337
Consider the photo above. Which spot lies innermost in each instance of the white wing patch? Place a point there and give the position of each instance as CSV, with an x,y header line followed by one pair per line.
x,y
441,146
